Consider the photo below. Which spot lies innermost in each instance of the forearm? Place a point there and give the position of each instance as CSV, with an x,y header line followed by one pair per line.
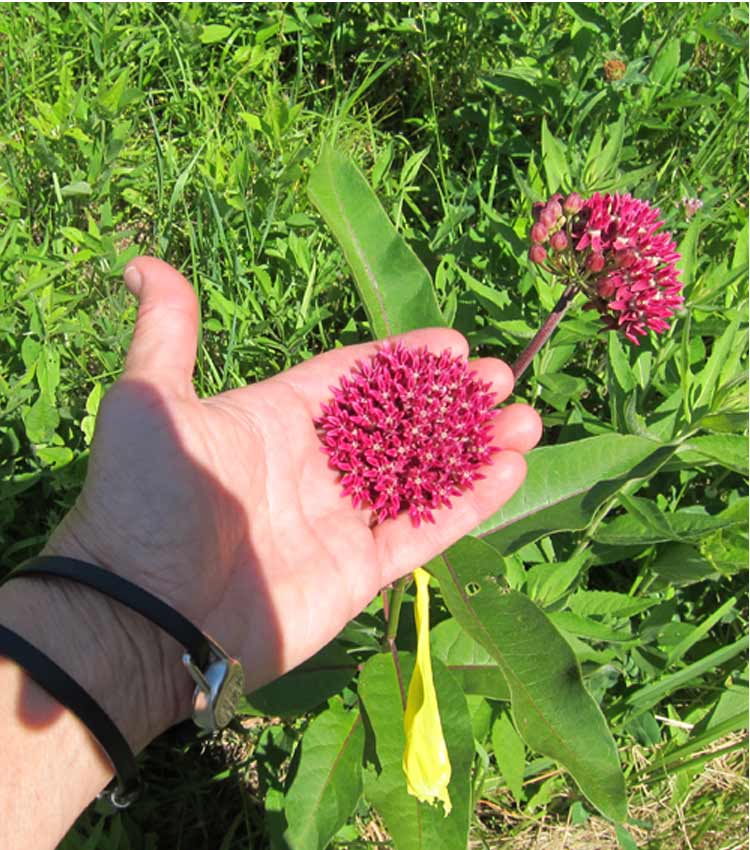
x,y
121,660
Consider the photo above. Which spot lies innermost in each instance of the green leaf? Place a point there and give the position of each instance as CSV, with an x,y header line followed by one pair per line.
x,y
619,363
588,17
688,251
574,624
510,754
328,782
654,692
41,420
700,631
552,710
682,525
708,379
603,165
55,456
411,824
680,564
305,687
607,603
665,66
79,189
469,662
556,167
562,493
212,33
727,450
394,285
519,82
546,583
48,372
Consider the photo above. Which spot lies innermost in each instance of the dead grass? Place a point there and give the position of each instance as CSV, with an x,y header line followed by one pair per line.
x,y
713,815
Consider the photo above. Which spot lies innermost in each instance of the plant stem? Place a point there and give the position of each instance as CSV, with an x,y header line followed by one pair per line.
x,y
545,332
396,600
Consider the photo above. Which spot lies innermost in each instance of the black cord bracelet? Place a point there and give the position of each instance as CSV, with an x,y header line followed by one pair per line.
x,y
220,679
69,693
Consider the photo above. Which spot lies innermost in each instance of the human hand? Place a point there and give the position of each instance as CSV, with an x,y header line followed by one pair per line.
x,y
226,507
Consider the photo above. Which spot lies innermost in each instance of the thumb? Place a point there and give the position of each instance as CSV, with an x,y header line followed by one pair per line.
x,y
165,339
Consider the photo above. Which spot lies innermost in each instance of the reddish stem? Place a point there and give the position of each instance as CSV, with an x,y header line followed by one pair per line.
x,y
545,332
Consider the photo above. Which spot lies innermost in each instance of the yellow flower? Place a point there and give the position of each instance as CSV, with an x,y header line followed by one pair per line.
x,y
426,763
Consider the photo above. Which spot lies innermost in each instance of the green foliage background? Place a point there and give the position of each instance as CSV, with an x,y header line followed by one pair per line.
x,y
191,131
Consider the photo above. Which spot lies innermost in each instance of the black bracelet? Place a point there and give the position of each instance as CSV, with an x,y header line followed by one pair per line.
x,y
218,687
69,693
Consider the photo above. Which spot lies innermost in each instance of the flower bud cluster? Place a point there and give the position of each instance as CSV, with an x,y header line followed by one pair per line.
x,y
610,246
549,225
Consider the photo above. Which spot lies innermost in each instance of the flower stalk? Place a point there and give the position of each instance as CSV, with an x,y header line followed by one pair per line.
x,y
545,332
395,601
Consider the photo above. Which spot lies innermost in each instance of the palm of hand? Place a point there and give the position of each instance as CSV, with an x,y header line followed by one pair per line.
x,y
226,507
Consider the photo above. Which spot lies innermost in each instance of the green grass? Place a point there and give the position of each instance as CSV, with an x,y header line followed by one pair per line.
x,y
189,132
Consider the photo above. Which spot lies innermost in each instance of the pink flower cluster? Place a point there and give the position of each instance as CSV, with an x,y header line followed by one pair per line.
x,y
408,430
614,250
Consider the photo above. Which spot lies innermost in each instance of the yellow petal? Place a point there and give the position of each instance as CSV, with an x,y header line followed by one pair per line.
x,y
426,763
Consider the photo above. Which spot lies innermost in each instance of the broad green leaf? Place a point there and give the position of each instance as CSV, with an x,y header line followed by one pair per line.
x,y
328,781
213,33
41,420
546,583
552,710
469,662
411,824
556,167
562,490
680,564
55,456
510,754
521,82
78,189
728,450
305,687
588,17
575,624
688,524
654,692
607,603
394,285
725,422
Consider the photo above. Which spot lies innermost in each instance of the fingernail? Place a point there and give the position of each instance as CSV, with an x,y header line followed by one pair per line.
x,y
133,280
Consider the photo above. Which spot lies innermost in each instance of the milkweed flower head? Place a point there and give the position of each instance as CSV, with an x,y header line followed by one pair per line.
x,y
614,248
408,430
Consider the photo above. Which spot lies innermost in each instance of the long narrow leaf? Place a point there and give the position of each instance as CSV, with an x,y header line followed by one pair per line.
x,y
395,287
552,710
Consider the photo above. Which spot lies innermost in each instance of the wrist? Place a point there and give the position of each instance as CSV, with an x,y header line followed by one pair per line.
x,y
127,664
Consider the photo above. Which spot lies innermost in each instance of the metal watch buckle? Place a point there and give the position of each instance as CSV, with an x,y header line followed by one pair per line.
x,y
218,690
